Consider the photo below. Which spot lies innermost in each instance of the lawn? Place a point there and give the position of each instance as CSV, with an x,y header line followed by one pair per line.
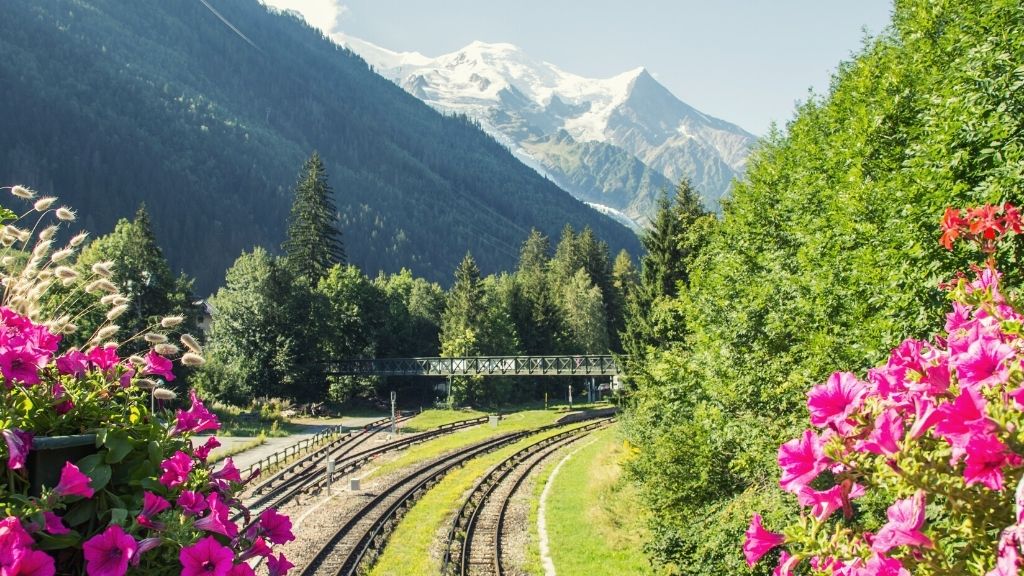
x,y
594,520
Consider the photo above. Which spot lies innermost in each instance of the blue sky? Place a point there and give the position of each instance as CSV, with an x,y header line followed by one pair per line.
x,y
746,62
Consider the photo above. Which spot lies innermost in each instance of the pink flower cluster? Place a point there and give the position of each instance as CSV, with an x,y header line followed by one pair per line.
x,y
186,515
952,393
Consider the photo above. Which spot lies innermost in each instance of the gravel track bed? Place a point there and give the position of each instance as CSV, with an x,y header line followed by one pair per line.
x,y
316,517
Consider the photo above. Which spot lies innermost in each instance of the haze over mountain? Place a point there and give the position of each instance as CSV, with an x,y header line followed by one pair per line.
x,y
208,116
614,142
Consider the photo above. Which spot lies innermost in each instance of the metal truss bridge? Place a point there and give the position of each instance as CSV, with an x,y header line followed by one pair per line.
x,y
478,366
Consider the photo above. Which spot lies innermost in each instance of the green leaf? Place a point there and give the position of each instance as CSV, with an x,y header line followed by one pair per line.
x,y
118,515
118,445
57,542
80,513
100,477
89,463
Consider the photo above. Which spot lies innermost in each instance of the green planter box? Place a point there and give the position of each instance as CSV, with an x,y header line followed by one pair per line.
x,y
48,455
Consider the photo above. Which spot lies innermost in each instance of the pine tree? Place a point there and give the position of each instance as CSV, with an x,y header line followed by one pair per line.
x,y
679,230
314,241
141,273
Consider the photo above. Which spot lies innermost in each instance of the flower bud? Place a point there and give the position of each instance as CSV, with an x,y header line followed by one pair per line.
x,y
155,338
65,213
192,359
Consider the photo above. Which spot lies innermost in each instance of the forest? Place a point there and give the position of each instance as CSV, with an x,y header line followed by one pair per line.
x,y
825,258
111,104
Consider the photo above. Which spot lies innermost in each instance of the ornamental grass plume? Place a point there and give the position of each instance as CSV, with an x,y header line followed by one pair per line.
x,y
146,501
936,433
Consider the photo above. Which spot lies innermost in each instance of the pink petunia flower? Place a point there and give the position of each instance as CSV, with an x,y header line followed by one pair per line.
x,y
145,545
73,363
801,460
832,403
276,527
926,415
207,557
192,503
73,482
28,562
22,364
1007,557
278,566
759,541
13,535
108,553
53,524
879,565
984,363
986,456
104,357
19,443
786,564
176,469
219,518
960,419
151,506
906,517
824,503
197,418
157,365
203,452
241,569
886,435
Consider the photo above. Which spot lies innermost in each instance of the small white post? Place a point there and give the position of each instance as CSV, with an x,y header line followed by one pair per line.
x,y
393,396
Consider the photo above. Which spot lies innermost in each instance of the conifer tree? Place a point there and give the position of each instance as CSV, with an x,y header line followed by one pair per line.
x,y
314,241
679,230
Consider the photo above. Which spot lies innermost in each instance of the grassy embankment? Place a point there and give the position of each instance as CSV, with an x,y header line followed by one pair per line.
x,y
427,522
595,522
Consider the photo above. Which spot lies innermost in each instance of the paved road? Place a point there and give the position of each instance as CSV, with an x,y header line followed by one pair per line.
x,y
309,429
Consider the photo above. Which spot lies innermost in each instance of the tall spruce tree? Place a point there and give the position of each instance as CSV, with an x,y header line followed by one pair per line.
x,y
679,231
314,240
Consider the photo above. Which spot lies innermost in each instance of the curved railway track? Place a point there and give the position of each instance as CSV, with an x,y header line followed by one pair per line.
x,y
475,539
362,537
308,473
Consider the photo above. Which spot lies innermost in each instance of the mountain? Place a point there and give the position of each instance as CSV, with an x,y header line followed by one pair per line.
x,y
614,142
206,110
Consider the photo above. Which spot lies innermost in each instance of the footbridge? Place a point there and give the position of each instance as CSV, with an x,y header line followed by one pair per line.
x,y
568,365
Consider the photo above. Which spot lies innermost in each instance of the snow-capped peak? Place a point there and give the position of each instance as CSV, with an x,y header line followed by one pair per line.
x,y
524,102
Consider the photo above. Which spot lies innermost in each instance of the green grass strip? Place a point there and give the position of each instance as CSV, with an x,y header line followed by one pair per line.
x,y
595,522
408,552
438,446
433,418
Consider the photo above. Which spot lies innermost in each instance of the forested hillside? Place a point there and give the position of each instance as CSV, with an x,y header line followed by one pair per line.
x,y
827,257
110,104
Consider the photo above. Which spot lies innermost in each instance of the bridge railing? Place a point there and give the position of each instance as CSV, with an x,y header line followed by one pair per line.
x,y
551,365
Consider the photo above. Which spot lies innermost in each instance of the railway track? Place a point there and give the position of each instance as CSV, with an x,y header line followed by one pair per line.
x,y
308,473
360,539
475,539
